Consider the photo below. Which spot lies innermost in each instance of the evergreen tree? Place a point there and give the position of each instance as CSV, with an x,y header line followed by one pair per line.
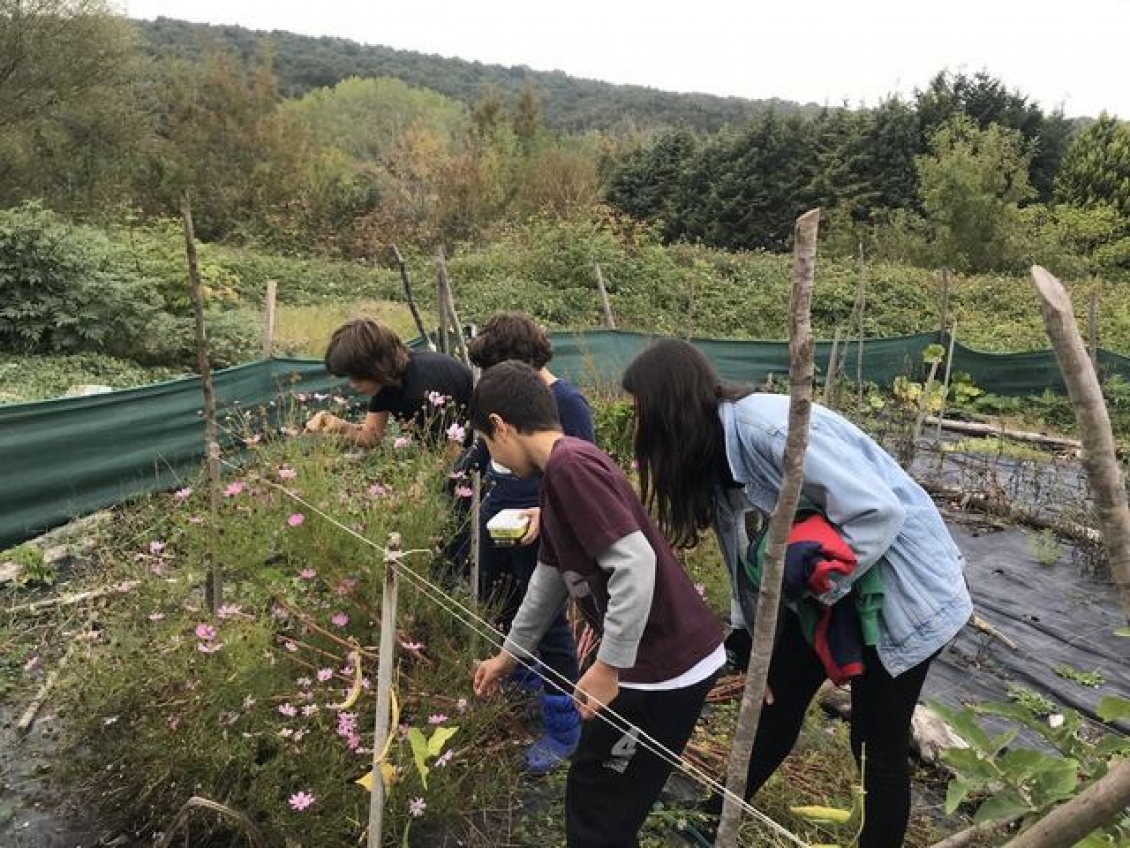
x,y
1096,167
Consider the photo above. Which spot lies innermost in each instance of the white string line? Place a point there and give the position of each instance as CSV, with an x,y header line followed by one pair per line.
x,y
474,622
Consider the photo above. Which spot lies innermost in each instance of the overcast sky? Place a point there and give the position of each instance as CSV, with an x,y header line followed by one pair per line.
x,y
1072,54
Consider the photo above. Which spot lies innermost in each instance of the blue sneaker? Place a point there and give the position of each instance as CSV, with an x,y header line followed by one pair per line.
x,y
561,726
526,680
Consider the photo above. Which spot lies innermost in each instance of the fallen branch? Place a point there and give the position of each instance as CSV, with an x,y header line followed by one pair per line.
x,y
998,506
28,717
978,623
973,429
975,832
71,600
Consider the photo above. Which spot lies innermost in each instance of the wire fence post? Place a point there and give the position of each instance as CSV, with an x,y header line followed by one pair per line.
x,y
386,652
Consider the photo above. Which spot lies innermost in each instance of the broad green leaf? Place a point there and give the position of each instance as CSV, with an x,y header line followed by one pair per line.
x,y
1113,708
439,739
1056,782
970,765
964,724
1005,804
1019,764
957,792
419,753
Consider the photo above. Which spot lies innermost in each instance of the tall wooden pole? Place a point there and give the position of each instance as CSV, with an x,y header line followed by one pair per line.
x,y
448,315
269,319
833,368
1100,458
406,287
609,321
780,524
859,310
387,651
213,587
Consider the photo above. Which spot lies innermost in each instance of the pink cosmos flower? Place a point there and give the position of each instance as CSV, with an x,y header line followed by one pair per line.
x,y
183,494
286,473
456,433
437,718
701,589
299,801
290,646
209,647
304,682
401,442
339,619
229,611
205,631
457,475
378,491
416,807
309,710
464,491
156,546
233,489
325,674
288,710
308,573
31,663
156,616
296,519
436,399
346,587
445,757
414,647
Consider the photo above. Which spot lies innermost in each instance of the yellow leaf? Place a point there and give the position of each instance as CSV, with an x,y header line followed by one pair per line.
x,y
366,781
387,772
823,815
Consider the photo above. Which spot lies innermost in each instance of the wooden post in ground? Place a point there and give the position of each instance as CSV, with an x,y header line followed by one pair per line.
x,y
833,369
441,300
1100,458
780,524
406,287
386,653
476,535
945,391
213,587
269,319
944,309
448,315
858,310
609,321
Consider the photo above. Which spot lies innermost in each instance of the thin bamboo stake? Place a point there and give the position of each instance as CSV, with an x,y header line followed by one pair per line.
x,y
406,287
833,367
609,321
447,308
859,309
946,387
387,650
213,588
780,524
269,319
441,301
1100,459
944,310
476,535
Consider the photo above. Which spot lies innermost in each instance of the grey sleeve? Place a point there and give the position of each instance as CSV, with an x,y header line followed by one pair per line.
x,y
630,564
545,595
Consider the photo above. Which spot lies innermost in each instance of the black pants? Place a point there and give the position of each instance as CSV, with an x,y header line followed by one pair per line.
x,y
881,708
613,778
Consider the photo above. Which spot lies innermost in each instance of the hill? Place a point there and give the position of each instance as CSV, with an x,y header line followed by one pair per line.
x,y
570,104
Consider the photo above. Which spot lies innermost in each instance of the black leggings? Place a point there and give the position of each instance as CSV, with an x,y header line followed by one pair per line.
x,y
881,708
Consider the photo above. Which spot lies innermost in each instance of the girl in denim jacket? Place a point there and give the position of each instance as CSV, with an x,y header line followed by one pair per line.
x,y
709,455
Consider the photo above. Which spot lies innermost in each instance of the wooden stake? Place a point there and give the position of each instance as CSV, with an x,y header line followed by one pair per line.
x,y
213,588
609,321
833,368
1100,458
859,309
946,387
441,301
944,311
476,534
780,524
447,309
406,287
387,651
1093,327
269,319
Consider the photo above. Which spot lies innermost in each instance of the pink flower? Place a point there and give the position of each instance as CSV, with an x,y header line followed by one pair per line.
x,y
290,646
253,439
209,647
288,710
174,722
156,546
445,757
229,611
325,674
205,631
456,433
296,519
436,399
701,589
401,442
339,619
156,616
414,647
248,702
346,587
31,663
299,801
416,807
183,494
309,710
378,491
457,475
286,473
308,573
464,491
233,489
195,519
437,718
461,705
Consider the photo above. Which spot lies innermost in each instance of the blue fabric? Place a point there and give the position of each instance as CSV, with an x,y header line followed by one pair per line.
x,y
888,520
561,725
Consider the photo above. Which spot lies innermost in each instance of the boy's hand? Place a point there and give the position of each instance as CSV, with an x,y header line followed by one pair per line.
x,y
597,688
490,672
532,529
324,422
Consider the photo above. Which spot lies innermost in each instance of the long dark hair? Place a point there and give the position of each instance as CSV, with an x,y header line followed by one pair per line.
x,y
680,445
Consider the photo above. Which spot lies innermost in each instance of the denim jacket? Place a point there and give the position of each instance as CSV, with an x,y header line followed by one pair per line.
x,y
888,520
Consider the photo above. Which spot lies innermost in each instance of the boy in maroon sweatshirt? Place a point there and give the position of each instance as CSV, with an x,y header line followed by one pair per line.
x,y
661,647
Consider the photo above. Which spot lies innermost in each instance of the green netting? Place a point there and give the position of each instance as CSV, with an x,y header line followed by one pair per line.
x,y
64,458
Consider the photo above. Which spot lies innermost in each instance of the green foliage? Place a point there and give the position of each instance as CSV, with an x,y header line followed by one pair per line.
x,y
35,571
1009,781
1091,679
1096,167
1045,547
614,423
30,378
1033,702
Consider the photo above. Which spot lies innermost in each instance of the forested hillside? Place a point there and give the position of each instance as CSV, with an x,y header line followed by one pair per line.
x,y
304,63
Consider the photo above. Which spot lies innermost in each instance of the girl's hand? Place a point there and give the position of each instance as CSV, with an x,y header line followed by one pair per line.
x,y
531,534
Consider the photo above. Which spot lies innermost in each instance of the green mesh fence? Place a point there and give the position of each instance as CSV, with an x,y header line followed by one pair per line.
x,y
64,458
